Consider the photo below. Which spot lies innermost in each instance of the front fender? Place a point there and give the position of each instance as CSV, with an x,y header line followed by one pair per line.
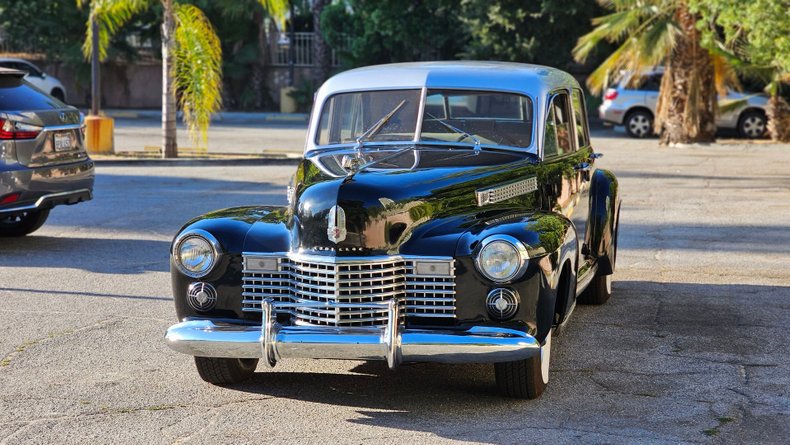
x,y
232,228
551,243
604,214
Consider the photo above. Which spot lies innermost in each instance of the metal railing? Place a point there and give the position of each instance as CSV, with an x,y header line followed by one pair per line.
x,y
303,50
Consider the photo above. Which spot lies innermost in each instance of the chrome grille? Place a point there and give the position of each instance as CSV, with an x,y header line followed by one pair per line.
x,y
425,286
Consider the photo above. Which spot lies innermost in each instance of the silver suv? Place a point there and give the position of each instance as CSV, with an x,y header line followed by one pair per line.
x,y
635,108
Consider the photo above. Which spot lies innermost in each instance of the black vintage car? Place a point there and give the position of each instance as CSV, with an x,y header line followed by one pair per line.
x,y
444,212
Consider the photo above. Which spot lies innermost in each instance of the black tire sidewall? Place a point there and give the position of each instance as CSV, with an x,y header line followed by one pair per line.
x,y
29,223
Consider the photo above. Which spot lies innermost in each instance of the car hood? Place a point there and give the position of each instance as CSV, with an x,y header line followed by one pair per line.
x,y
386,211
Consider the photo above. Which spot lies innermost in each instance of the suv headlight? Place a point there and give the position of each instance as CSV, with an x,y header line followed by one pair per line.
x,y
195,252
501,258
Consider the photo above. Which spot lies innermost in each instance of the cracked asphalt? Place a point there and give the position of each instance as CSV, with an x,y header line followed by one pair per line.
x,y
692,348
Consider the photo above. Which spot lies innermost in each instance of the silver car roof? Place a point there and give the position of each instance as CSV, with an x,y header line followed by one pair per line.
x,y
535,81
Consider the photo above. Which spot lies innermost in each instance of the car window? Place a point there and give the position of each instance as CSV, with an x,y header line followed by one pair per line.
x,y
18,95
493,118
347,116
558,136
580,118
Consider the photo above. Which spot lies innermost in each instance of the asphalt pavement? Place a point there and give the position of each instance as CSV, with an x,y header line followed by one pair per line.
x,y
692,348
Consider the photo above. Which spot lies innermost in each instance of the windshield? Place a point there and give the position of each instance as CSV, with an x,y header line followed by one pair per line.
x,y
450,117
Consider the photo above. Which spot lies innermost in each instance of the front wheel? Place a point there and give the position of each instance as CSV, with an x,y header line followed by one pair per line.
x,y
23,223
525,379
225,371
598,291
639,124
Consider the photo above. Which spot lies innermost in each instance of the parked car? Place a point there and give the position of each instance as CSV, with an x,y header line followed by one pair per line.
x,y
36,77
43,162
633,105
444,212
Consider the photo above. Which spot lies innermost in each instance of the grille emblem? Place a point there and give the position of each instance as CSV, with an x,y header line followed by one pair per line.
x,y
337,224
63,117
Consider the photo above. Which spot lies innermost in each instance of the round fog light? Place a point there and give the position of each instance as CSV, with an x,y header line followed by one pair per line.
x,y
502,303
202,296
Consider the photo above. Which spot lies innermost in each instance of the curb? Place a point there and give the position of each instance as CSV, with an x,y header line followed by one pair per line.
x,y
195,162
229,117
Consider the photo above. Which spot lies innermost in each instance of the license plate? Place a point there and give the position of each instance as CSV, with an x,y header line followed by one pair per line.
x,y
63,142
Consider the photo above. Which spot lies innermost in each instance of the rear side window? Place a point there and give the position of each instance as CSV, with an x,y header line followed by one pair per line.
x,y
558,133
580,116
18,95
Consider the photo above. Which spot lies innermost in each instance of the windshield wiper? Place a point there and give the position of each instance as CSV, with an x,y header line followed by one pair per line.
x,y
464,134
373,130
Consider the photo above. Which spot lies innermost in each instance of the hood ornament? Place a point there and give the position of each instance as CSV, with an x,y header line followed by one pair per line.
x,y
336,230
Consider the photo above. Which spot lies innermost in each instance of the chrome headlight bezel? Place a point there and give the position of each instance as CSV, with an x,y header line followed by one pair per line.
x,y
519,249
200,234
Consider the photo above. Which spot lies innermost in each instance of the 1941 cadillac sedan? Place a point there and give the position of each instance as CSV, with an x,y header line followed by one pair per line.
x,y
443,212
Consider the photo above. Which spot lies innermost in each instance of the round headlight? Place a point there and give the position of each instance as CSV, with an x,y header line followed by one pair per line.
x,y
501,258
195,253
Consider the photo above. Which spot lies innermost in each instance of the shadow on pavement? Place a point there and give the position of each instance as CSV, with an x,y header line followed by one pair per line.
x,y
101,255
660,352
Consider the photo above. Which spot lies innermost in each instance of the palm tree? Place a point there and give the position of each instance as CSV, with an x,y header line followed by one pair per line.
x,y
651,33
191,59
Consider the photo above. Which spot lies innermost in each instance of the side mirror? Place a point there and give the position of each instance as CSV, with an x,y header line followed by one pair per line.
x,y
43,75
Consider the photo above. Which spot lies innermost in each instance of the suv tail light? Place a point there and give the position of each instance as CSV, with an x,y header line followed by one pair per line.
x,y
17,130
611,94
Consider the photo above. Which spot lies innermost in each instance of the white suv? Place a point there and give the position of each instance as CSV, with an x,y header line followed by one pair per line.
x,y
635,108
36,77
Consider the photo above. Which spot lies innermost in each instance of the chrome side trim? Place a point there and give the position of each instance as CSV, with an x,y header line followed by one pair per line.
x,y
504,192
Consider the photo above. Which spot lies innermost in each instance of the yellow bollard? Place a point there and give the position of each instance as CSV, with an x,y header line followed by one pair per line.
x,y
287,103
99,135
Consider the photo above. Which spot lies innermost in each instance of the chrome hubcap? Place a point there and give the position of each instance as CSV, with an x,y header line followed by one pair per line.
x,y
753,126
639,125
545,357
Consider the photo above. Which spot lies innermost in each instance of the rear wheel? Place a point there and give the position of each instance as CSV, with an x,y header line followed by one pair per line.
x,y
22,224
639,124
225,371
525,379
752,124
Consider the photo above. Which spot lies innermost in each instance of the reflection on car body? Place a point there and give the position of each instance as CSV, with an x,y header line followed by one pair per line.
x,y
444,212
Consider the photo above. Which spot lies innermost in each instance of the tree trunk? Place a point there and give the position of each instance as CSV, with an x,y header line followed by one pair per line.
x,y
778,114
321,51
259,71
687,102
169,141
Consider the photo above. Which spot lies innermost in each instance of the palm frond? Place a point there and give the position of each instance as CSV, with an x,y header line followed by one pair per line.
x,y
111,15
198,70
277,9
729,105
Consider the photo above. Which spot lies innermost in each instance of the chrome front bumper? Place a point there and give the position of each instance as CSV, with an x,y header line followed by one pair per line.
x,y
273,342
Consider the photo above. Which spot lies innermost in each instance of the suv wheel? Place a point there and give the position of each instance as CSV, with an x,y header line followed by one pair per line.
x,y
639,124
752,124
23,223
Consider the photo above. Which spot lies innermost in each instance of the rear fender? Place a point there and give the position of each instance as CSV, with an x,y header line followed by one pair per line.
x,y
604,214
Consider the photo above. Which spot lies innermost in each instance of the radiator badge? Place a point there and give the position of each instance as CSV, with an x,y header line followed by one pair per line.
x,y
337,224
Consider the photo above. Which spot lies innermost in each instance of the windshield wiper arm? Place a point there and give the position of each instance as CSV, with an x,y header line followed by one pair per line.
x,y
373,130
464,134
